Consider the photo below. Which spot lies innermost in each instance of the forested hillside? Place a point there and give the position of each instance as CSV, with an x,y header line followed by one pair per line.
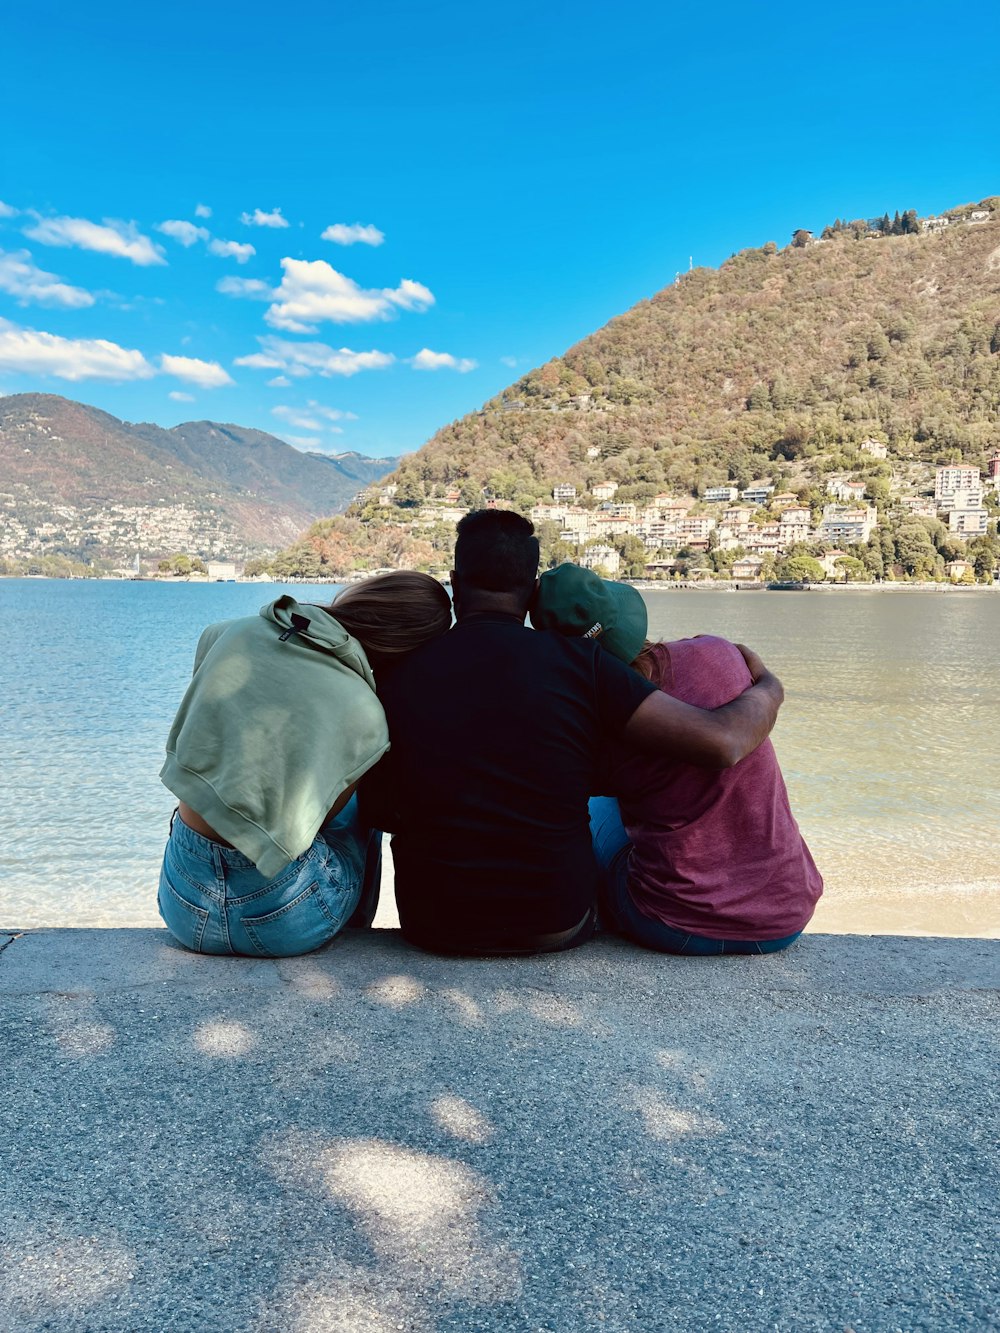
x,y
771,368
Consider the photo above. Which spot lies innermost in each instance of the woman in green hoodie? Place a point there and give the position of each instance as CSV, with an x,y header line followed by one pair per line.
x,y
266,855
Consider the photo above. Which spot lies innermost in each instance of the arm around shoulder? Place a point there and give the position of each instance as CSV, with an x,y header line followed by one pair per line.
x,y
717,738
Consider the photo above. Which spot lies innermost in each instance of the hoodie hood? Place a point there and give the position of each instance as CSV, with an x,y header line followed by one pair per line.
x,y
302,623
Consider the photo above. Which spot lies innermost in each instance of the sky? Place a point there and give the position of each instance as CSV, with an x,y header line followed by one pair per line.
x,y
350,225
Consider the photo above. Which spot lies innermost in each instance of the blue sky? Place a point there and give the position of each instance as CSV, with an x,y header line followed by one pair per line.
x,y
522,172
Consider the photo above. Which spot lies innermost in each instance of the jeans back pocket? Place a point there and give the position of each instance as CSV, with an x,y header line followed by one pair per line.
x,y
304,924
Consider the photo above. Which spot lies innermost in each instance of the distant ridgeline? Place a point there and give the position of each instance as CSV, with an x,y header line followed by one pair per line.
x,y
856,361
78,486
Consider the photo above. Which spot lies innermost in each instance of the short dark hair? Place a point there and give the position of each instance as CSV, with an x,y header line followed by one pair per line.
x,y
497,550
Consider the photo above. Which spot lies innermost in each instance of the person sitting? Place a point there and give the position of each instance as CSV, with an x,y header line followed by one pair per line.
x,y
497,733
692,861
267,853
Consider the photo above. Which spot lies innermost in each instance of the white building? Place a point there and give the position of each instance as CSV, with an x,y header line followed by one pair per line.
x,y
563,492
757,495
968,523
748,568
842,524
604,490
948,480
603,558
726,494
916,504
851,492
874,447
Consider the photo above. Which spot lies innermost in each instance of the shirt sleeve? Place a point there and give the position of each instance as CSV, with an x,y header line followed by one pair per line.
x,y
620,691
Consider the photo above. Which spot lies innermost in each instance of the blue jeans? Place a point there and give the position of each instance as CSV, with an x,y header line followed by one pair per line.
x,y
213,899
612,848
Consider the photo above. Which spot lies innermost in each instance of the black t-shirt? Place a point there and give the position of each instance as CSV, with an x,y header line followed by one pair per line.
x,y
496,733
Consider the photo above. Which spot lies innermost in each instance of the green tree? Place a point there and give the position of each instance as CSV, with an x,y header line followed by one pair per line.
x,y
801,568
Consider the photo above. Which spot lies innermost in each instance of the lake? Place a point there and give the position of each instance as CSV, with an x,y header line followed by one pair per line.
x,y
887,741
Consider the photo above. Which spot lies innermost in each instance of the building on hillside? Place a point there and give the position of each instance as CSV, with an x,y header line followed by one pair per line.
x,y
604,490
764,540
791,531
843,524
968,523
725,494
603,558
544,512
748,568
979,215
784,499
829,562
564,491
934,224
993,469
919,506
737,516
387,494
948,480
851,492
580,401
452,495
962,499
619,511
874,447
593,451
757,495
695,528
796,514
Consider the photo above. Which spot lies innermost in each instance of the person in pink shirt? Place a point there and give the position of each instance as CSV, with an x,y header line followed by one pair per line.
x,y
692,861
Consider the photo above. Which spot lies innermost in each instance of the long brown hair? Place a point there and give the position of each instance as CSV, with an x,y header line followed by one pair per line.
x,y
392,614
649,663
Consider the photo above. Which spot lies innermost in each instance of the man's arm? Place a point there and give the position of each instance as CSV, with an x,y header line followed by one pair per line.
x,y
717,738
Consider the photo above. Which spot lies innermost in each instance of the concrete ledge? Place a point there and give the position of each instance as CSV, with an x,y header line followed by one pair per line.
x,y
372,1138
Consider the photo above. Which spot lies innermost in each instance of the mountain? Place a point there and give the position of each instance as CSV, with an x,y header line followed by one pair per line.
x,y
773,368
76,481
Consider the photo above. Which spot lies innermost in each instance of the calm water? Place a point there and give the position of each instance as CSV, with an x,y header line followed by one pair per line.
x,y
887,741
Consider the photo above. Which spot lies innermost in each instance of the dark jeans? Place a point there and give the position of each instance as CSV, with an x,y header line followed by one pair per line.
x,y
618,910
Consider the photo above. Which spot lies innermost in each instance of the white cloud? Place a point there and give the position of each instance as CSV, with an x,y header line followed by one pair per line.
x,y
179,397
510,361
6,211
33,352
303,359
202,211
341,233
251,288
331,413
312,292
121,239
303,441
425,359
258,218
185,232
279,382
232,250
206,374
20,278
295,417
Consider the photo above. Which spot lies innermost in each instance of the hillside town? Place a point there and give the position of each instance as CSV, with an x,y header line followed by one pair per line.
x,y
755,527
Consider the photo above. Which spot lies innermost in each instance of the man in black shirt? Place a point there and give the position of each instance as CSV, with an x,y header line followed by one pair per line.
x,y
497,732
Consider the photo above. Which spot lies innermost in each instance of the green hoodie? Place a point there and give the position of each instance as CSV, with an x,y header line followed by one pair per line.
x,y
280,717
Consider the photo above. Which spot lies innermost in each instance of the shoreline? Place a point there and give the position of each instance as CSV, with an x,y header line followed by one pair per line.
x,y
642,585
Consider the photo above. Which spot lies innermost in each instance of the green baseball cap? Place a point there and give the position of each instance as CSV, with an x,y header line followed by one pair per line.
x,y
580,604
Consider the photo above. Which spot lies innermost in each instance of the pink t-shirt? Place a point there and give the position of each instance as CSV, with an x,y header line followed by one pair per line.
x,y
714,853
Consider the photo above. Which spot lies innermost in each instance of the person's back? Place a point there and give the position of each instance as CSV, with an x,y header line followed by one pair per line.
x,y
496,734
718,854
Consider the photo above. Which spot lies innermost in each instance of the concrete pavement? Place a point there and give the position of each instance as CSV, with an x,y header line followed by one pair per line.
x,y
375,1139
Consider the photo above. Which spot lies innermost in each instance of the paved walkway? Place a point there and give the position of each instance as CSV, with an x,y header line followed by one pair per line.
x,y
375,1139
